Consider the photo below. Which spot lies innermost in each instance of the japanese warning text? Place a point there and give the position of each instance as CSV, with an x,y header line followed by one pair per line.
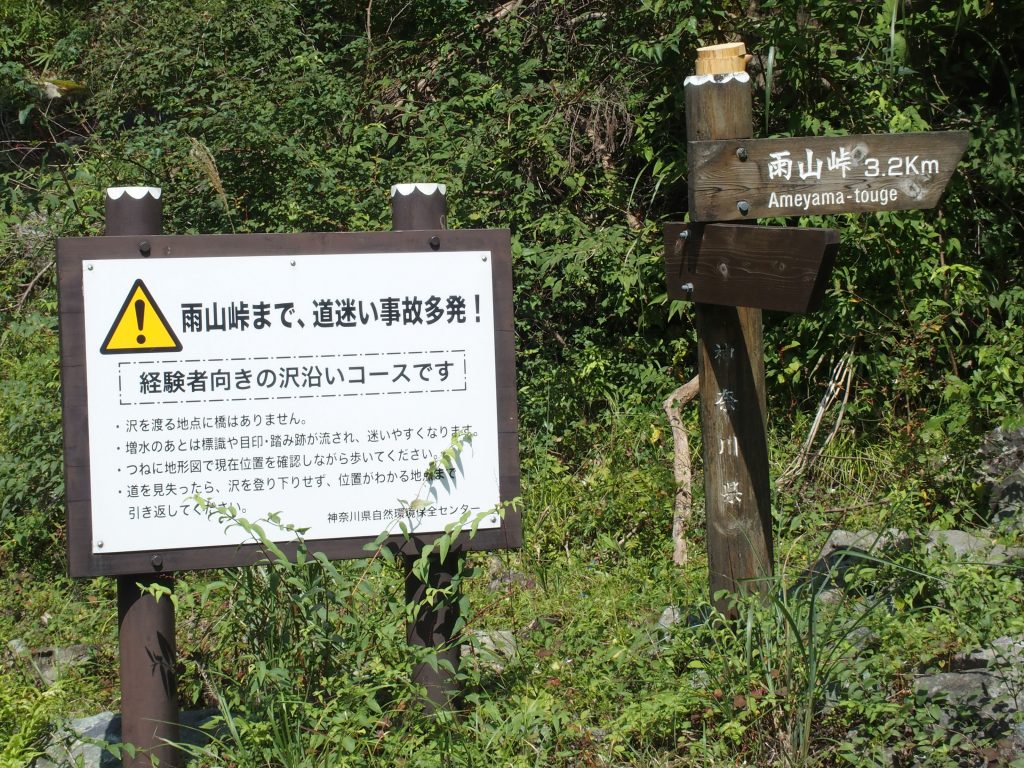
x,y
323,388
286,378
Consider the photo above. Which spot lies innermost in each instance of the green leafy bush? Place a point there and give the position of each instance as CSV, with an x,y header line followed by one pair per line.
x,y
25,716
31,478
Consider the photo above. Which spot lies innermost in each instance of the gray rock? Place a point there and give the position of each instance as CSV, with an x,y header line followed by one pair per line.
x,y
77,743
687,616
660,634
493,648
669,617
501,577
80,742
1004,653
960,689
976,548
829,596
50,663
842,550
1009,650
672,619
980,696
1001,469
1006,500
1003,664
865,540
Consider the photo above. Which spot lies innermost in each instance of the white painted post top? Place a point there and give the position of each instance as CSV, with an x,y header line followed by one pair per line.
x,y
427,189
115,193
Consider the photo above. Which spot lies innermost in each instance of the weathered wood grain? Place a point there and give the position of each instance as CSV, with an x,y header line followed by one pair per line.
x,y
733,180
732,395
777,268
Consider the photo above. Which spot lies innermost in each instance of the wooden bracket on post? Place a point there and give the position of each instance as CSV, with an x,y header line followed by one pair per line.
x,y
776,268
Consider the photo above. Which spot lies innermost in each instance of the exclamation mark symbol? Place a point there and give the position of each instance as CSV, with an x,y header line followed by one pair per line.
x,y
140,315
478,307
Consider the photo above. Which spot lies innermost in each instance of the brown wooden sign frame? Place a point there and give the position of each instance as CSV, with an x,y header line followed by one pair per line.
x,y
71,252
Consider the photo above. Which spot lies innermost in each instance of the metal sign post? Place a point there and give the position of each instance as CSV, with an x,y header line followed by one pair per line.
x,y
146,631
422,207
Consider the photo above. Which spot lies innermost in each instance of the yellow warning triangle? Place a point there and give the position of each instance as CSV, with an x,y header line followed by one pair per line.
x,y
140,326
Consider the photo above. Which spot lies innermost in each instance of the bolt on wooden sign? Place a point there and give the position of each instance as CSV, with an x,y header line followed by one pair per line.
x,y
322,377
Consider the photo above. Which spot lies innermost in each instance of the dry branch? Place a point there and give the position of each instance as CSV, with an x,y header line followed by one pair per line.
x,y
681,466
839,385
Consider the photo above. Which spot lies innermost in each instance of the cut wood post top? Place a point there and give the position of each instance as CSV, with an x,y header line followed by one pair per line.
x,y
723,59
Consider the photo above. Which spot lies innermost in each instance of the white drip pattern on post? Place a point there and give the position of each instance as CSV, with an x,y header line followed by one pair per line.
x,y
115,193
427,189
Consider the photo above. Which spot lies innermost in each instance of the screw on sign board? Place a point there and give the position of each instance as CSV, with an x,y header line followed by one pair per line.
x,y
322,377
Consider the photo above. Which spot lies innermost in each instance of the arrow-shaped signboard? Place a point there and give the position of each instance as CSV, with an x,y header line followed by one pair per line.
x,y
820,175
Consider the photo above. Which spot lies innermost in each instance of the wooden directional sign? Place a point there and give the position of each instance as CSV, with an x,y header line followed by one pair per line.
x,y
733,271
779,268
740,179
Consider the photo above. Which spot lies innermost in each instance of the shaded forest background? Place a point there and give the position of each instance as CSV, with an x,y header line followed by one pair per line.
x,y
564,122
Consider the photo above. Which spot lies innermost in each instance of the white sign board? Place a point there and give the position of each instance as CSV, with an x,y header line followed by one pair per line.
x,y
325,388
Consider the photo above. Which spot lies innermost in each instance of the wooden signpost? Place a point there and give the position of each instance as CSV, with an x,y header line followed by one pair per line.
x,y
733,271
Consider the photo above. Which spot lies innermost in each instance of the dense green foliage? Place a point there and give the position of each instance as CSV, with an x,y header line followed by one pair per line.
x,y
562,121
